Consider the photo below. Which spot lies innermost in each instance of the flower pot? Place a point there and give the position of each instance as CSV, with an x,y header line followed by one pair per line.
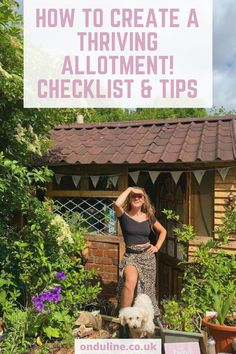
x,y
222,334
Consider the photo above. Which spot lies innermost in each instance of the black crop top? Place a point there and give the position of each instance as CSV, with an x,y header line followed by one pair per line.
x,y
134,232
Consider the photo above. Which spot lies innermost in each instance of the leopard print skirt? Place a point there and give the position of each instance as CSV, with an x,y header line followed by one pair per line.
x,y
146,266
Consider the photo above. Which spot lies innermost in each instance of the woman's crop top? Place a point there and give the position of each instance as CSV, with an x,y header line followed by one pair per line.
x,y
134,232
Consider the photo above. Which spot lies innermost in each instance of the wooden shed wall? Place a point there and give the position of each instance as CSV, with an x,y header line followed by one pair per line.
x,y
221,191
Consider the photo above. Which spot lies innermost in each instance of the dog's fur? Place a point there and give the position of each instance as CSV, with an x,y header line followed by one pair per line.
x,y
139,317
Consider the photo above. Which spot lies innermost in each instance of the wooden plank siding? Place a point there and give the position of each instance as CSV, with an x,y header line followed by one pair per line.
x,y
194,245
221,191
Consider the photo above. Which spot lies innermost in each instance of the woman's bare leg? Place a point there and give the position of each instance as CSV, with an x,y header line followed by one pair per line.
x,y
130,281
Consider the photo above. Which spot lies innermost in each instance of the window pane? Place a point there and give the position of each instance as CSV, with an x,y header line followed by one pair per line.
x,y
181,251
204,204
171,248
98,213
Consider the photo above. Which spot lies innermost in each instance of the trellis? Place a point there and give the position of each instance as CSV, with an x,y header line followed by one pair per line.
x,y
98,214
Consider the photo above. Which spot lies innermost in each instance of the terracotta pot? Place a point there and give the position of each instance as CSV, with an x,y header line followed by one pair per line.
x,y
222,334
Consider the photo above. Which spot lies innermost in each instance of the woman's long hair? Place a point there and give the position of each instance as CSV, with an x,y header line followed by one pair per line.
x,y
146,208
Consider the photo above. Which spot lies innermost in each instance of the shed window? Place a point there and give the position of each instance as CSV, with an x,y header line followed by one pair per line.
x,y
99,216
203,204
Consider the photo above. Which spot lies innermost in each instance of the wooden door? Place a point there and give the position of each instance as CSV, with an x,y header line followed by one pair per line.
x,y
171,196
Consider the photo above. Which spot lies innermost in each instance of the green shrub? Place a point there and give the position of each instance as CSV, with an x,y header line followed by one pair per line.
x,y
44,273
210,262
177,316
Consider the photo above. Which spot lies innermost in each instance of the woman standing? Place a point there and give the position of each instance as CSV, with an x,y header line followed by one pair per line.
x,y
137,220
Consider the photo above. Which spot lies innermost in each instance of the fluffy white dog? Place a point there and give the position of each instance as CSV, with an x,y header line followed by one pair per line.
x,y
139,317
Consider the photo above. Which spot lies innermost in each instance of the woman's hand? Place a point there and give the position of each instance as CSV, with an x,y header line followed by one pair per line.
x,y
118,205
152,249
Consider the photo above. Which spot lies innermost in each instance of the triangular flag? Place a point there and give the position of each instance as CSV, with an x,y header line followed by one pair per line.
x,y
114,180
223,172
176,175
95,180
134,175
76,180
58,178
153,175
199,174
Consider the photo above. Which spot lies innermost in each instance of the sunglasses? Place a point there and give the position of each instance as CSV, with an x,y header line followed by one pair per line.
x,y
135,196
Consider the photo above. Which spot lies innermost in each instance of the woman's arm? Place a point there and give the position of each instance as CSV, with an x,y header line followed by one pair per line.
x,y
118,205
161,231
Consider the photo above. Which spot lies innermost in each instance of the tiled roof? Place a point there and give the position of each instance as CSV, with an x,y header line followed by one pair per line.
x,y
180,140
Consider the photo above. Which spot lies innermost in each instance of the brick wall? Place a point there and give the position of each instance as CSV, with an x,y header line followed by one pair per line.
x,y
103,254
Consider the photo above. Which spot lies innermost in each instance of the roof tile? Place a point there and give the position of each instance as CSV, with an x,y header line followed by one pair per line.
x,y
151,157
134,158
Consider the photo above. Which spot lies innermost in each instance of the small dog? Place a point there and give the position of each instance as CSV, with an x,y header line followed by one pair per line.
x,y
139,317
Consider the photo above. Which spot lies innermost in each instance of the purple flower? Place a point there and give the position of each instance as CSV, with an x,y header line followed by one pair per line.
x,y
53,295
56,297
43,297
39,306
60,275
56,290
49,296
35,299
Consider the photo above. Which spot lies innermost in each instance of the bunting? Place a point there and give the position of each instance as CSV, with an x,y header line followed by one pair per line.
x,y
134,176
95,180
176,175
153,175
58,178
223,172
113,180
76,180
199,175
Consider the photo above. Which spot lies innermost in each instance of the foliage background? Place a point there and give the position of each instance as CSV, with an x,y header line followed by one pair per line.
x,y
31,253
35,249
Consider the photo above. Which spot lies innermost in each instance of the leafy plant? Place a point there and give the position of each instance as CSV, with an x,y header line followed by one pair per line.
x,y
183,232
16,323
223,300
208,264
199,291
51,289
35,245
179,317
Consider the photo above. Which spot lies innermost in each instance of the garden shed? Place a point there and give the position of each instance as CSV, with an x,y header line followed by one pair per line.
x,y
187,165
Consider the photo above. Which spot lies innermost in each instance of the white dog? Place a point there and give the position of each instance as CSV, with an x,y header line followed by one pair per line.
x,y
139,318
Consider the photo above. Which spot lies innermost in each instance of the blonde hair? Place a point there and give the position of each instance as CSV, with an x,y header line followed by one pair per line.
x,y
146,208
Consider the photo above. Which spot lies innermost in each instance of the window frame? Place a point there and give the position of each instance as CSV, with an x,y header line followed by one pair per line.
x,y
91,170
